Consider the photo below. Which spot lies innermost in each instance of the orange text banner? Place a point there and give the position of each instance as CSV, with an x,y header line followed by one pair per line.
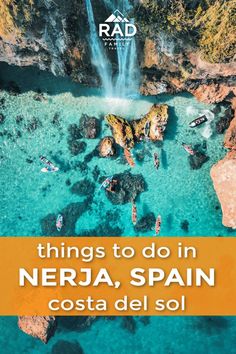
x,y
117,276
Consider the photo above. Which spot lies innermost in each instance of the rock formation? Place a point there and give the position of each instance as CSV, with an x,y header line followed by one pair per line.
x,y
213,92
107,147
184,47
127,189
122,131
146,223
47,34
89,127
181,46
197,160
223,175
155,120
151,126
38,326
230,136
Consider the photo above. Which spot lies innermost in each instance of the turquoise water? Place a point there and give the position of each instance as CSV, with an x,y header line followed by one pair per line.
x,y
175,192
163,335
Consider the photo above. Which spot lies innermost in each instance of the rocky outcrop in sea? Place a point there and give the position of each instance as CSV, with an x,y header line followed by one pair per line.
x,y
39,327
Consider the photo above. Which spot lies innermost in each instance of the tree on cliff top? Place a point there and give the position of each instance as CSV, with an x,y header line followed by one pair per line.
x,y
217,26
209,25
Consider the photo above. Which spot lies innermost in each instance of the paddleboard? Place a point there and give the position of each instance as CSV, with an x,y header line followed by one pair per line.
x,y
45,170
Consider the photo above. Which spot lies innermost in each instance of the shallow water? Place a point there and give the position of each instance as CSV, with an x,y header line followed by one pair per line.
x,y
174,191
163,335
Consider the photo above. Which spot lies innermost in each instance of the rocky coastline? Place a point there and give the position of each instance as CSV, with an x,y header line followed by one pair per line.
x,y
169,64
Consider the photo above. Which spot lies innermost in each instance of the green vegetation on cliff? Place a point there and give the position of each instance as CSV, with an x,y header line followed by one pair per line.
x,y
13,15
209,25
217,26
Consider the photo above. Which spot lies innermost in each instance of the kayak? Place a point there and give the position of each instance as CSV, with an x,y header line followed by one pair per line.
x,y
158,225
156,160
49,170
189,149
198,121
129,157
59,222
134,214
106,183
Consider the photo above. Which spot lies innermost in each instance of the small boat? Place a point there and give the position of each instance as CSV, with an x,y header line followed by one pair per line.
x,y
129,157
156,160
50,166
158,225
147,129
59,222
44,160
198,121
189,149
134,213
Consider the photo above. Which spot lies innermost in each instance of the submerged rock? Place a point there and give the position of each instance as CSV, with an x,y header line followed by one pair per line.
x,y
107,147
127,189
84,187
13,88
223,175
140,155
33,125
56,119
197,160
89,127
103,229
91,155
128,323
74,132
76,147
2,102
224,122
70,213
146,223
81,166
38,326
121,130
19,119
184,225
96,173
65,347
75,323
68,182
152,125
145,320
230,136
2,118
39,97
